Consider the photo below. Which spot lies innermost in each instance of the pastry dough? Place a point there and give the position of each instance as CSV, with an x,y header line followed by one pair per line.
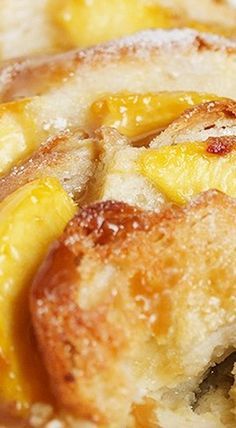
x,y
61,157
63,87
131,306
119,176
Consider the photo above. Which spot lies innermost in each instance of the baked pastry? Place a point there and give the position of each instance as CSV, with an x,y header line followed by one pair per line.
x,y
214,119
60,157
170,58
128,326
95,255
195,153
32,27
100,128
59,93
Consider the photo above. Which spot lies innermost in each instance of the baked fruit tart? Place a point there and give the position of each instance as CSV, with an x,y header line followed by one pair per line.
x,y
117,231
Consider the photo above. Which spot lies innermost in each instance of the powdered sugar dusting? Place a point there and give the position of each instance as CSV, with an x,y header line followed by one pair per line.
x,y
142,43
138,43
156,38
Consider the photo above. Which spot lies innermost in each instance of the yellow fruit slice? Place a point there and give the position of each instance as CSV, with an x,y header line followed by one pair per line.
x,y
213,28
184,170
137,114
30,219
18,133
87,22
84,23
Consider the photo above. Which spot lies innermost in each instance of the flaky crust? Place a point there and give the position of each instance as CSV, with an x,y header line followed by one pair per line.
x,y
131,305
119,175
212,119
70,157
106,167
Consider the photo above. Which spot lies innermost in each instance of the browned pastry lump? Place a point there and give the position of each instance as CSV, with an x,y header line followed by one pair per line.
x,y
131,308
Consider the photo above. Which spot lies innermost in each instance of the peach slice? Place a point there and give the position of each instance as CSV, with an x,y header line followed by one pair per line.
x,y
30,219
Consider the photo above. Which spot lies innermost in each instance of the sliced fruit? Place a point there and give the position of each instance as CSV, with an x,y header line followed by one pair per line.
x,y
84,23
30,219
87,22
186,169
18,133
210,27
137,114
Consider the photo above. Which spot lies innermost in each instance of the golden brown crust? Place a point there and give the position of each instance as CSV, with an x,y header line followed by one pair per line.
x,y
211,119
215,109
120,174
70,157
221,145
119,301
